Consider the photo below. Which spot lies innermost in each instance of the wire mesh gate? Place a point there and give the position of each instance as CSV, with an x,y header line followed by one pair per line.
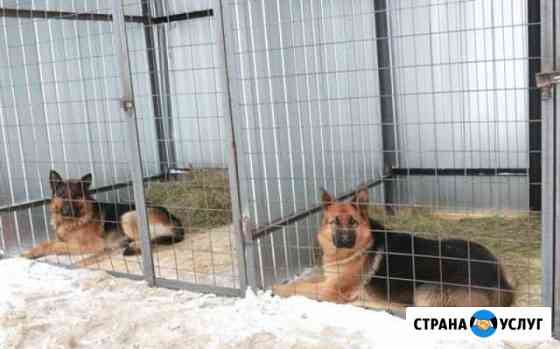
x,y
219,252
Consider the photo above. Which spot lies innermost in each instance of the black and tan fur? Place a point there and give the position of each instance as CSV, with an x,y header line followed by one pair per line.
x,y
364,263
85,226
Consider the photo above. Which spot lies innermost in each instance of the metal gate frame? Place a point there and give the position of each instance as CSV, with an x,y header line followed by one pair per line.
x,y
135,156
550,101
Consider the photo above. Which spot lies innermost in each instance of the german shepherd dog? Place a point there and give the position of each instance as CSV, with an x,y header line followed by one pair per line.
x,y
367,265
83,226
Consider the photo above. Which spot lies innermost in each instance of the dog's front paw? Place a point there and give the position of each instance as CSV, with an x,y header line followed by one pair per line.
x,y
29,255
283,290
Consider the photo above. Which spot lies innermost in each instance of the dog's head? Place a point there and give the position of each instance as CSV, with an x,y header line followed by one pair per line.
x,y
70,198
346,224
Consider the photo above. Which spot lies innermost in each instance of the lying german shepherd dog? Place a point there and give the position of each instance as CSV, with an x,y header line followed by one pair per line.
x,y
84,226
365,264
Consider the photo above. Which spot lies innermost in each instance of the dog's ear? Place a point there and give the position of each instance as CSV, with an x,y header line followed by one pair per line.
x,y
54,180
86,181
326,198
360,201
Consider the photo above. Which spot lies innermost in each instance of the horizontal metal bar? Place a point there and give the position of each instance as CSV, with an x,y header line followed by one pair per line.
x,y
41,202
165,283
183,16
278,224
76,16
185,285
134,277
44,14
460,171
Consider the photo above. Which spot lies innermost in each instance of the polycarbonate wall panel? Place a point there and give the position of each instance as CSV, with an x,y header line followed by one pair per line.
x,y
461,94
308,101
59,84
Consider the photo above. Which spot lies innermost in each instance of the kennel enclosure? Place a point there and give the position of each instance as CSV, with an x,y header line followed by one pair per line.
x,y
233,114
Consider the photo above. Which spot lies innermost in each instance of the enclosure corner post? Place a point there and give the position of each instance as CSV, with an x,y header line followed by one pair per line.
x,y
535,108
387,103
159,95
135,160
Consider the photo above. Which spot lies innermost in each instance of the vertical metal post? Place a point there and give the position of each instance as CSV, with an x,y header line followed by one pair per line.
x,y
386,93
534,67
245,246
549,20
166,104
127,100
165,153
551,111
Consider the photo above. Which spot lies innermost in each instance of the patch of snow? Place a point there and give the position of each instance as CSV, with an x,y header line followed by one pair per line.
x,y
43,306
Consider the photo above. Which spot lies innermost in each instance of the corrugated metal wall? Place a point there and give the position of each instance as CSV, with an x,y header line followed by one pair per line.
x,y
460,77
308,101
197,83
60,102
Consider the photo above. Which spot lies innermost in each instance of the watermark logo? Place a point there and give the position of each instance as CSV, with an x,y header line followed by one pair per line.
x,y
518,323
483,323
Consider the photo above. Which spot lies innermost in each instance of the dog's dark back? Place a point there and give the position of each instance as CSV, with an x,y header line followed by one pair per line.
x,y
110,214
414,261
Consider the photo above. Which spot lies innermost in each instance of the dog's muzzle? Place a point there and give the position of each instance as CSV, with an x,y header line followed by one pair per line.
x,y
344,238
69,211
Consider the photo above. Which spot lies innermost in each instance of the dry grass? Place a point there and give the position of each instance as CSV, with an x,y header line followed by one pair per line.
x,y
514,238
200,198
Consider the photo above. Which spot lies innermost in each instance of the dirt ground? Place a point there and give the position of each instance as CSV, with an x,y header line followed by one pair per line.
x,y
206,256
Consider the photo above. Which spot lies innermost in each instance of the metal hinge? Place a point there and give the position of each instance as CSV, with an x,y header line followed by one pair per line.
x,y
546,81
248,229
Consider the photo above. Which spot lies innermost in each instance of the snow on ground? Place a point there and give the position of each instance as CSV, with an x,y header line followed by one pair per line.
x,y
42,306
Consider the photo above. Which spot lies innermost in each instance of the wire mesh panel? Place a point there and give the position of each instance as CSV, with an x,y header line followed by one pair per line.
x,y
307,95
60,111
432,105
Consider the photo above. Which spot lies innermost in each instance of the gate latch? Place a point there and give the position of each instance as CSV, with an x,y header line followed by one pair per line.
x,y
546,81
127,105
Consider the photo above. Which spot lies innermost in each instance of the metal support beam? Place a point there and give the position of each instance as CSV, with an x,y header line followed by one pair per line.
x,y
387,103
549,20
85,16
153,69
535,109
459,171
165,98
278,224
127,103
103,189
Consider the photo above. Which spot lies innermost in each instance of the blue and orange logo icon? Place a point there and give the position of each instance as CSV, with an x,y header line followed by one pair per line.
x,y
484,323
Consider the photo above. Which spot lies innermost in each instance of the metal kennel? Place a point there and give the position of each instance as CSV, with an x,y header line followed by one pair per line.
x,y
232,114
